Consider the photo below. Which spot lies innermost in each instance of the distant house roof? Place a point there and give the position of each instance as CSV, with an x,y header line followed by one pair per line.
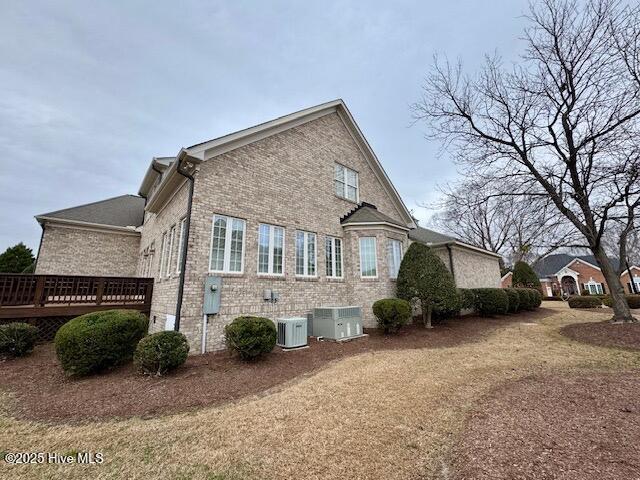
x,y
552,264
424,235
122,211
368,213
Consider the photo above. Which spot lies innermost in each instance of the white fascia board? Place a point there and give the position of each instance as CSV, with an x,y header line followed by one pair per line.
x,y
374,225
43,220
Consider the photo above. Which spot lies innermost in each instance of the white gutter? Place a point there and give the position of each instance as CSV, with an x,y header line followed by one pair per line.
x,y
77,223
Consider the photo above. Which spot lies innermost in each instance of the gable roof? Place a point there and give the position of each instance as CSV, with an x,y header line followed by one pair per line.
x,y
366,213
122,211
231,141
552,264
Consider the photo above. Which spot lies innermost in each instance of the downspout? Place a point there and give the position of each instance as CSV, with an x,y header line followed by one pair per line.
x,y
453,273
185,243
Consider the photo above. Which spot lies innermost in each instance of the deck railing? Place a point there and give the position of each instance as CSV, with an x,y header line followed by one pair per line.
x,y
42,290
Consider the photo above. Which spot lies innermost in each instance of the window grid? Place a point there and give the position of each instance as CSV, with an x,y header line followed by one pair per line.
x,y
170,241
305,254
394,253
368,260
270,249
183,233
333,257
346,183
227,245
163,247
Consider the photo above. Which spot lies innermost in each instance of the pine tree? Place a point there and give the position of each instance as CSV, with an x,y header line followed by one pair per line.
x,y
16,259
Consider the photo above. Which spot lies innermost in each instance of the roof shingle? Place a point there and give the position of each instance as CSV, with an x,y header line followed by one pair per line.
x,y
122,211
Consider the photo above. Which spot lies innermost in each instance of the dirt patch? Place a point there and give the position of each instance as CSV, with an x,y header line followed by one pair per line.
x,y
42,391
605,334
570,427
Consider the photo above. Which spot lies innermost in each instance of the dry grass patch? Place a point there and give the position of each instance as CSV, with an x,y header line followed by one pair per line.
x,y
384,414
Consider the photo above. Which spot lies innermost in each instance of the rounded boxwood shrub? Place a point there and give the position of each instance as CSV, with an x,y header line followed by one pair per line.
x,y
491,301
536,298
163,351
99,340
392,313
584,302
17,339
251,337
514,299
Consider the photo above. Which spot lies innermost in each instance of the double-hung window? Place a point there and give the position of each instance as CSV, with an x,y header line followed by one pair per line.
x,y
346,182
394,256
270,250
333,257
305,254
227,245
169,253
183,233
163,253
368,257
594,288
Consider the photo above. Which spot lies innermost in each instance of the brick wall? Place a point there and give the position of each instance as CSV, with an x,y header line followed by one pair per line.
x,y
285,180
82,251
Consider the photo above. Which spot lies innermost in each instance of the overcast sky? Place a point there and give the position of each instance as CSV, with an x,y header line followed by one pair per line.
x,y
91,91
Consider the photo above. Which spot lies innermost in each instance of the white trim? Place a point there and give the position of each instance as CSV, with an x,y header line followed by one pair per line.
x,y
227,244
64,223
627,271
172,237
305,254
597,285
333,240
583,261
375,256
270,253
345,182
374,225
504,277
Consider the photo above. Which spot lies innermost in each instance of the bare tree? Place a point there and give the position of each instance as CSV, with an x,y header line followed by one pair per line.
x,y
563,124
517,228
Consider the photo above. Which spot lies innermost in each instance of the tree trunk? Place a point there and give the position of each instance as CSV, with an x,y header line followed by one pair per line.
x,y
427,308
621,311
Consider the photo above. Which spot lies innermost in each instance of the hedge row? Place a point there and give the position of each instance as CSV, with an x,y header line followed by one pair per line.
x,y
595,301
17,339
500,301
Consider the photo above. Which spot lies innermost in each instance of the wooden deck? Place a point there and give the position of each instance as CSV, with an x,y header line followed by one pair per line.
x,y
36,296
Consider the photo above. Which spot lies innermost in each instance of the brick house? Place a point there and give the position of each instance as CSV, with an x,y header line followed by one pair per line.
x,y
572,274
299,206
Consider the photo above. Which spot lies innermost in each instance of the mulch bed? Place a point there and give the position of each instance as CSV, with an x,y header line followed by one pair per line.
x,y
574,428
43,392
605,334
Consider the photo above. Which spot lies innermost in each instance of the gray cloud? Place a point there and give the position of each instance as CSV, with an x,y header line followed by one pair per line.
x,y
92,90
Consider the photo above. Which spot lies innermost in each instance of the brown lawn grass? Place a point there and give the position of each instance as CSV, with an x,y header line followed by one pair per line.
x,y
386,414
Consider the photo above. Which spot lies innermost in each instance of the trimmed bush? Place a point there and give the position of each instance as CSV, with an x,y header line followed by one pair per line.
x,y
552,299
526,299
524,276
99,340
467,298
425,278
632,300
392,313
537,298
491,301
584,302
514,299
163,351
17,339
251,337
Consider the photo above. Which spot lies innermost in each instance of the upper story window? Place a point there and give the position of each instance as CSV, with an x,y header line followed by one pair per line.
x,y
305,254
167,256
346,183
333,257
270,249
163,254
368,257
394,256
227,245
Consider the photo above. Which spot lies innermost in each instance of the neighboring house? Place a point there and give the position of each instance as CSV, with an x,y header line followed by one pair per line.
x,y
572,274
507,280
288,215
99,238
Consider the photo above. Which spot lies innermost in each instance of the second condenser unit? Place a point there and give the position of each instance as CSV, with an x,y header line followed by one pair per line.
x,y
337,323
